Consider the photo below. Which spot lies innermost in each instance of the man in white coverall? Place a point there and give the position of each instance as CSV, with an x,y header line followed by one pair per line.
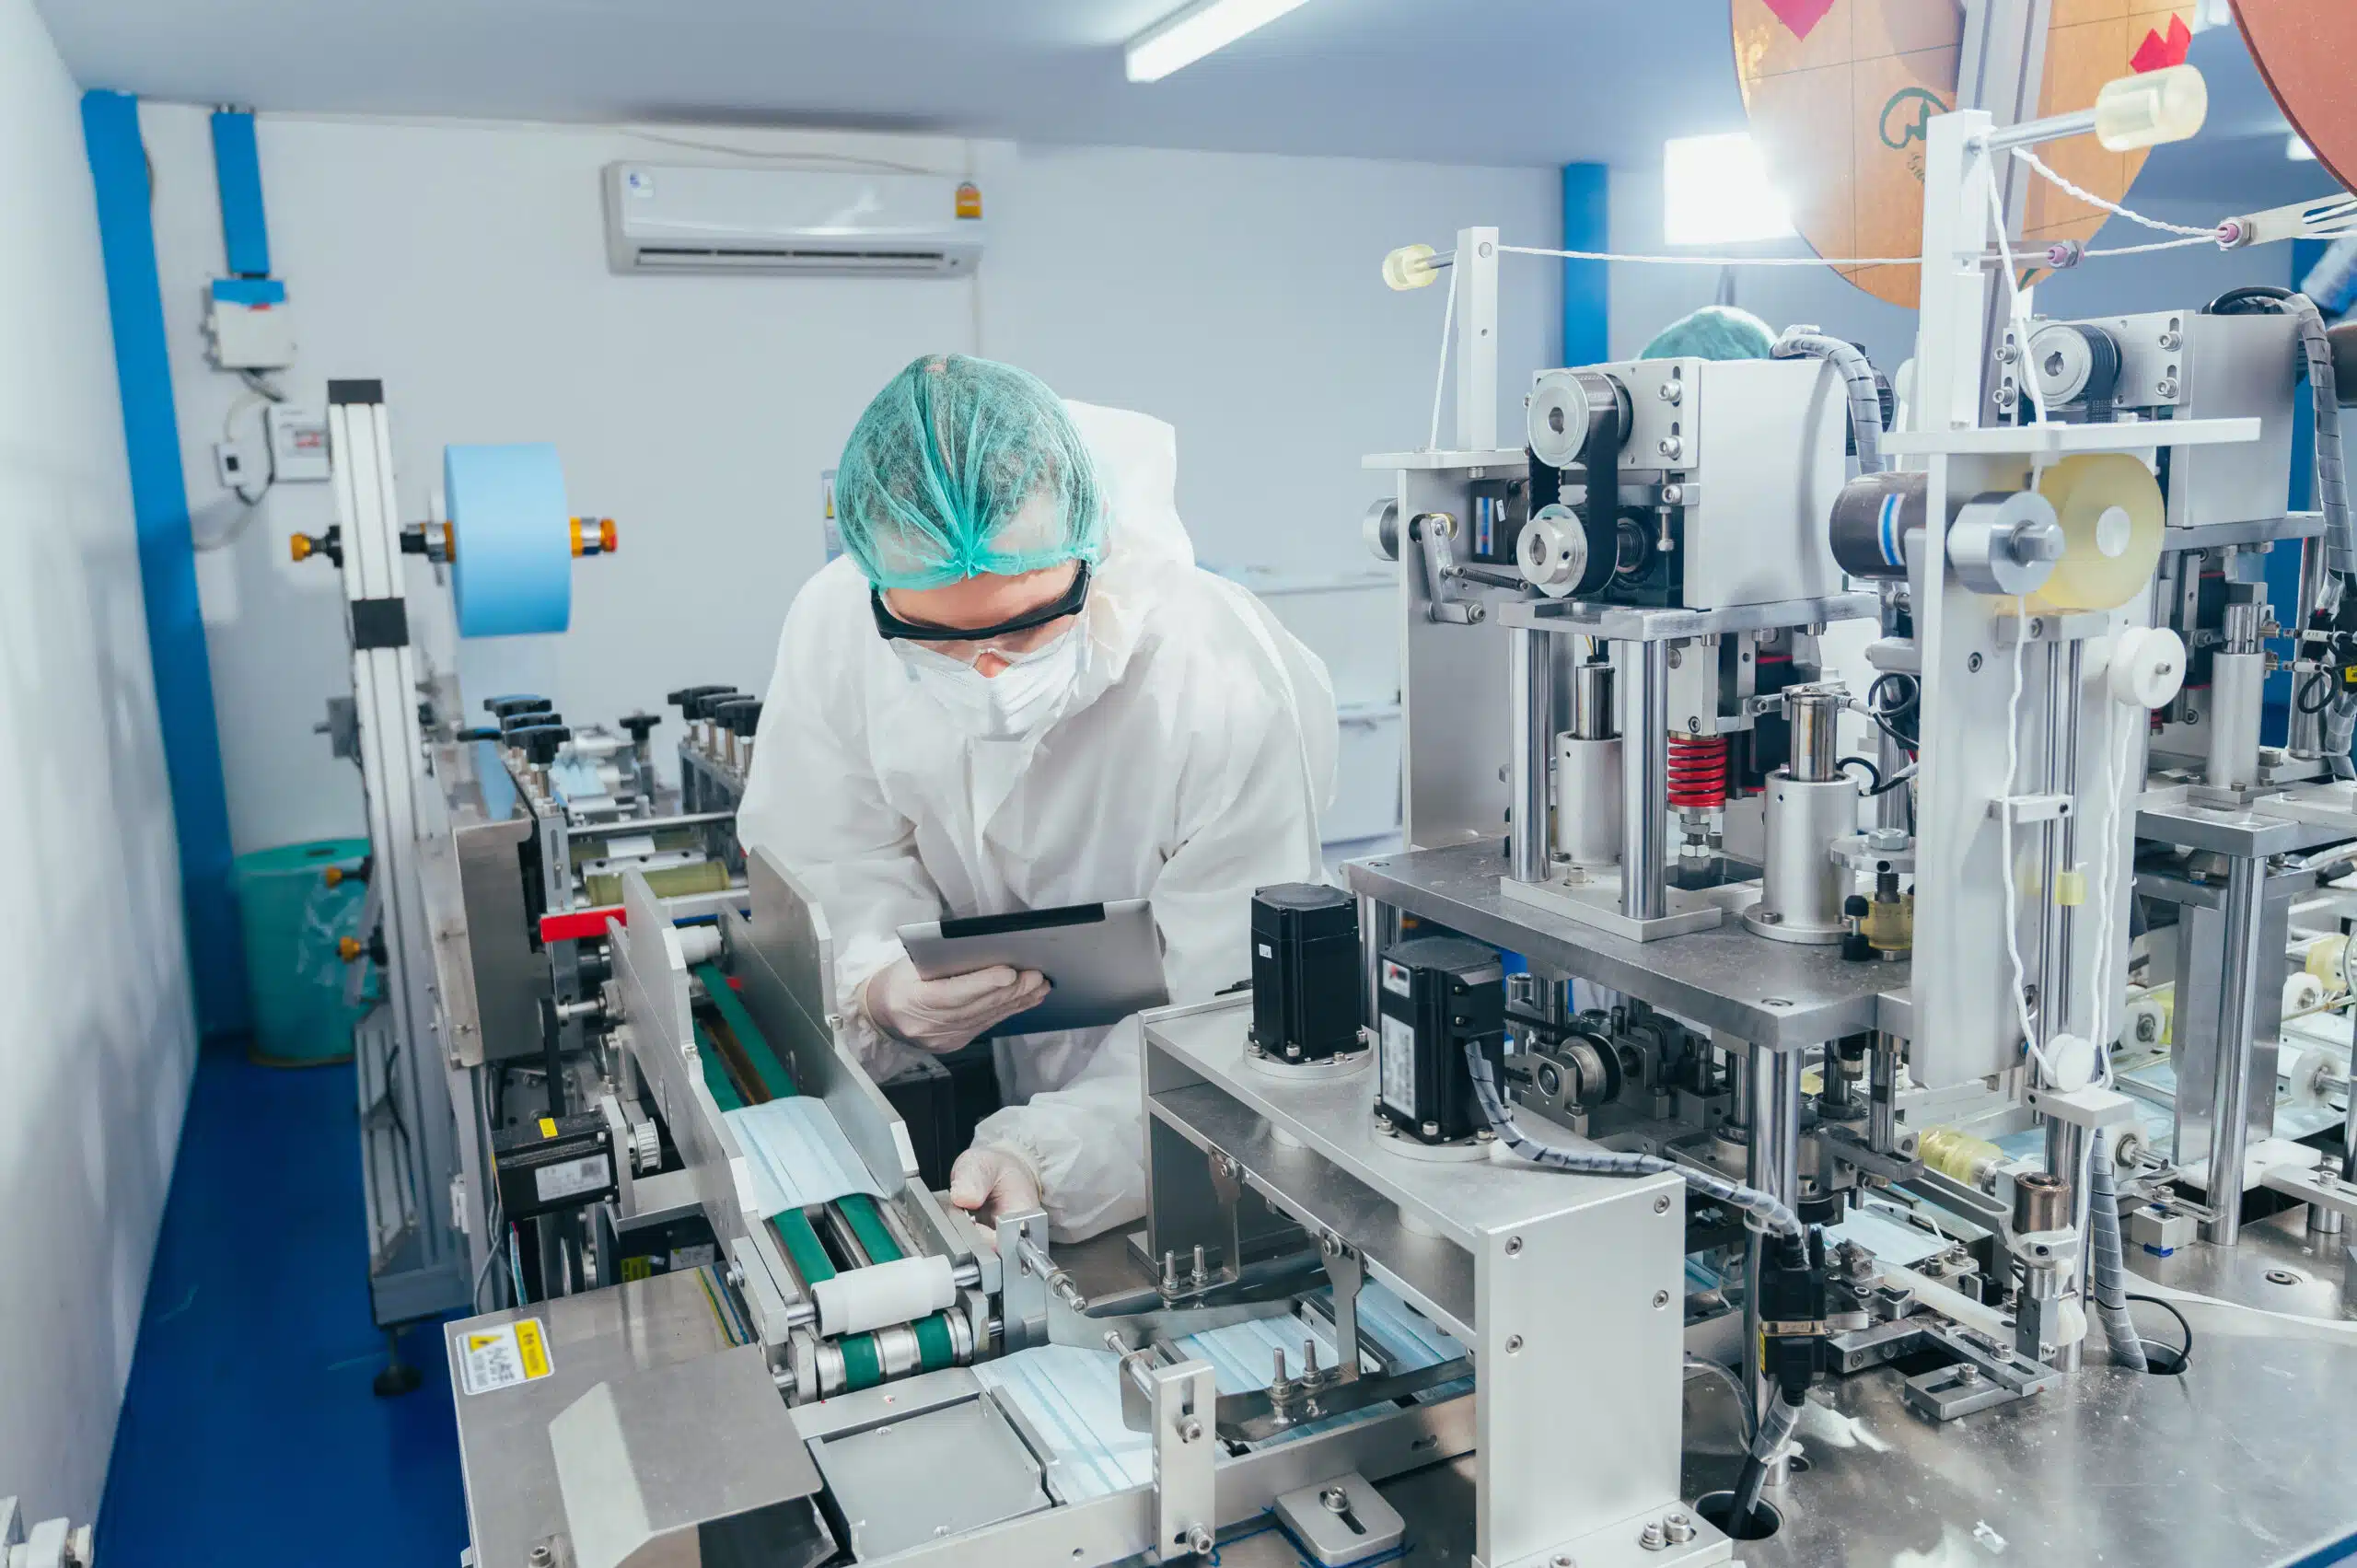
x,y
1017,690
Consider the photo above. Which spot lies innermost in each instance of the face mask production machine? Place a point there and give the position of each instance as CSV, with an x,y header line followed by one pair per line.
x,y
1711,1138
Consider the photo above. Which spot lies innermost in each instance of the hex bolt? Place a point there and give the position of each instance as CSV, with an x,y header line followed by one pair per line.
x,y
1680,1528
1513,1246
1513,1344
541,1556
1654,1536
1661,1204
1190,1429
1335,1500
1661,1299
1200,1543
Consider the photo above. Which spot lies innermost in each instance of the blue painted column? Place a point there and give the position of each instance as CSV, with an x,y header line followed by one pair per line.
x,y
166,560
1587,285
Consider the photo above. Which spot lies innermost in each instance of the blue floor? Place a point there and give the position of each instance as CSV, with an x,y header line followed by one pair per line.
x,y
249,1434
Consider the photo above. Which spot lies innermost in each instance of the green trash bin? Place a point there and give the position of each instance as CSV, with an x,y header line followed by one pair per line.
x,y
294,913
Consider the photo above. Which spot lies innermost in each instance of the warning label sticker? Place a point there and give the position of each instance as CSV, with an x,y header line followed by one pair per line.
x,y
504,1356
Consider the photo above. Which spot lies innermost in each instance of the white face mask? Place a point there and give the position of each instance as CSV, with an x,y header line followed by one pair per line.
x,y
1018,702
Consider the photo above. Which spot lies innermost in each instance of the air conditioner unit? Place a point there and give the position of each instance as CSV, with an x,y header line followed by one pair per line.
x,y
681,218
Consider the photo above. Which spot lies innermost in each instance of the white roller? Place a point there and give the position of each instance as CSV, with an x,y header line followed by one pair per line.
x,y
882,1295
2302,992
2147,666
2072,1060
699,944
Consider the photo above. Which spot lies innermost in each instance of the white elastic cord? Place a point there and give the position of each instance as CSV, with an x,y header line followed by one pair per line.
x,y
2114,208
2016,311
2118,741
2147,250
2005,835
1440,375
1719,260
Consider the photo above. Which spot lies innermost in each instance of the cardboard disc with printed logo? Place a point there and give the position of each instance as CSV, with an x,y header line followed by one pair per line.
x,y
1839,92
2306,52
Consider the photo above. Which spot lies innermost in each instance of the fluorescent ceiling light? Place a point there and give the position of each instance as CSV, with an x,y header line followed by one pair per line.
x,y
1714,190
2298,151
1184,36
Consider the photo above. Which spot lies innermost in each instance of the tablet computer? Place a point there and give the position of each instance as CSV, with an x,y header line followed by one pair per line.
x,y
1104,961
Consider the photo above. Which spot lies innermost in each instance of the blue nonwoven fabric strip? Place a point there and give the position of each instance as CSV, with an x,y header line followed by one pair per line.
x,y
512,568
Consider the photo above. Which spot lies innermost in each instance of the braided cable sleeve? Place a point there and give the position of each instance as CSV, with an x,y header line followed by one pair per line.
x,y
1772,1214
2332,474
1865,402
2107,1274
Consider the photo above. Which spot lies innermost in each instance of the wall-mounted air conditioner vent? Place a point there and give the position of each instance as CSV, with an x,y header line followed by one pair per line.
x,y
687,219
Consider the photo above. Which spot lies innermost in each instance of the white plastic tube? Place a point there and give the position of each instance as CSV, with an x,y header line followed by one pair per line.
x,y
1949,1302
882,1295
699,944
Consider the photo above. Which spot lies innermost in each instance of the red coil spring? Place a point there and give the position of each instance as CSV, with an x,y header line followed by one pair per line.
x,y
1698,771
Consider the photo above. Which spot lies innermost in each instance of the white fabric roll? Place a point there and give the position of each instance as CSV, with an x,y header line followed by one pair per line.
x,y
883,1293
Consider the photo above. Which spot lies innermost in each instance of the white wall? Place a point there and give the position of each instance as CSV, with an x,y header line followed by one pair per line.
x,y
1237,297
96,1037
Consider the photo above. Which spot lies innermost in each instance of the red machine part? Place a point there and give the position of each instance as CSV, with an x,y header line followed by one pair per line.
x,y
1698,772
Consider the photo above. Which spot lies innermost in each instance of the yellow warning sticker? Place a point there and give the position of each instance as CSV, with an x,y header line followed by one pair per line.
x,y
532,1348
503,1355
970,200
548,1126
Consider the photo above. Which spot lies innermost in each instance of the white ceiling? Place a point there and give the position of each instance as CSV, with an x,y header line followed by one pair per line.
x,y
1473,81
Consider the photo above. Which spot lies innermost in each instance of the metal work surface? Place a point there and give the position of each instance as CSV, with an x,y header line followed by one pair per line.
x,y
2274,1266
2058,437
1636,624
1388,1203
1766,993
513,1503
2238,1462
2262,530
2240,833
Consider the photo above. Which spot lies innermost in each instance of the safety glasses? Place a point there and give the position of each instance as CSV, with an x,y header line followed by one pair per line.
x,y
1009,636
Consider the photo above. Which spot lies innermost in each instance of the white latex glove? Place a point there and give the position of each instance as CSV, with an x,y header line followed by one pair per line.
x,y
992,1183
944,1015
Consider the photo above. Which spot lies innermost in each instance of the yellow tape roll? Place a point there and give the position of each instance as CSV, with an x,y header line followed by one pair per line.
x,y
2324,959
2112,515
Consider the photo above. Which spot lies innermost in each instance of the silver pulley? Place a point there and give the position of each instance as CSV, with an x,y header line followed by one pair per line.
x,y
1553,551
2006,544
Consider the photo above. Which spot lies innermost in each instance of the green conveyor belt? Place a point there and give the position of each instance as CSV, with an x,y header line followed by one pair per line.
x,y
715,1072
862,1364
756,1045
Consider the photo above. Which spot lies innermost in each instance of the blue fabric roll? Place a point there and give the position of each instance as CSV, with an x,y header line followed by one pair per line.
x,y
512,569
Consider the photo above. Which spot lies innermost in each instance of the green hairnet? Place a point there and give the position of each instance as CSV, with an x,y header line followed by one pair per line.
x,y
1715,332
961,466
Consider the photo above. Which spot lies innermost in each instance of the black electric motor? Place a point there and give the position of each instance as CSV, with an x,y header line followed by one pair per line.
x,y
1304,972
1438,994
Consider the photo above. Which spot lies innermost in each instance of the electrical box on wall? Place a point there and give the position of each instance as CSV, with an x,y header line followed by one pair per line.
x,y
298,443
249,324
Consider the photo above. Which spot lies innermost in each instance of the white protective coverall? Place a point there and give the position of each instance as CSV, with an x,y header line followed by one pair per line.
x,y
1188,766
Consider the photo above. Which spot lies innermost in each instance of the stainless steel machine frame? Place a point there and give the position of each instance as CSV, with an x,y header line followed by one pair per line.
x,y
418,1264
1575,1410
